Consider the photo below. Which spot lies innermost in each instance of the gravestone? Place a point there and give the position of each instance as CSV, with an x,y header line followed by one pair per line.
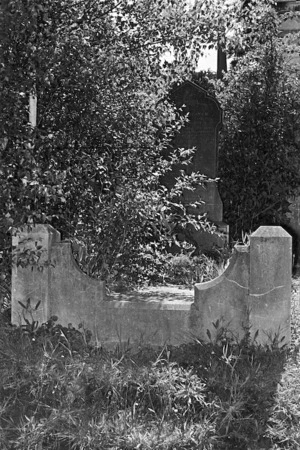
x,y
292,225
201,133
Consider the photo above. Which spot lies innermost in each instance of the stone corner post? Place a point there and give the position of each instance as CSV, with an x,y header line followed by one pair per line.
x,y
270,284
31,272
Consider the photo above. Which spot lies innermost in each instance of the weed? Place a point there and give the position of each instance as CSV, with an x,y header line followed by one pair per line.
x,y
188,270
58,392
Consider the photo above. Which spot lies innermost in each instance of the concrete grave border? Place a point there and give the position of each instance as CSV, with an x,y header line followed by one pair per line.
x,y
254,291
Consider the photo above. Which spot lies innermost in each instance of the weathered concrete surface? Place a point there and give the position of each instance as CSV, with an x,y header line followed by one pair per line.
x,y
254,290
75,297
270,283
224,298
33,282
154,323
154,315
147,316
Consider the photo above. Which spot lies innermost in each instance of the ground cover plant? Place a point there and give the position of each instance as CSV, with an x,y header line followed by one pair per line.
x,y
186,268
59,392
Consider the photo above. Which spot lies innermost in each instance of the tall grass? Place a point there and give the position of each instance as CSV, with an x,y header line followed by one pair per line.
x,y
58,392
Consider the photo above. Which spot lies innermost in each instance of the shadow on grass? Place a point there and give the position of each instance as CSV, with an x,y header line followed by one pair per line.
x,y
241,380
57,392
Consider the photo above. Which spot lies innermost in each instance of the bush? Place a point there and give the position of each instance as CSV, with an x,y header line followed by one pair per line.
x,y
187,270
259,154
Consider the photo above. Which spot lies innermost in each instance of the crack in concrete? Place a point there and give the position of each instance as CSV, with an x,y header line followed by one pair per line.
x,y
255,295
235,282
267,292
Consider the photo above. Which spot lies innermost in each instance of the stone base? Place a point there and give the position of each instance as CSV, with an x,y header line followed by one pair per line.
x,y
210,241
203,240
296,270
292,226
212,204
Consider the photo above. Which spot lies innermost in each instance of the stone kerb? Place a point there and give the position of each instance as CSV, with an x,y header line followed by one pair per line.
x,y
270,283
31,282
54,280
68,293
254,291
223,299
75,297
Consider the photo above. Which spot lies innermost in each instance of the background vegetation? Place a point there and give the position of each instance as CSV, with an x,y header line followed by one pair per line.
x,y
93,164
259,145
92,167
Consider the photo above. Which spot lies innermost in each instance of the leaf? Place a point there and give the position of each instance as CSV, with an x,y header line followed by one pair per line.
x,y
37,305
216,324
22,304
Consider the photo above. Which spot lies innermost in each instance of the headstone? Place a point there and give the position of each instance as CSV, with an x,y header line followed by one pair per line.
x,y
201,132
292,224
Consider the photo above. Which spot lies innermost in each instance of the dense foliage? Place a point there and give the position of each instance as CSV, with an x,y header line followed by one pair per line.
x,y
93,164
259,153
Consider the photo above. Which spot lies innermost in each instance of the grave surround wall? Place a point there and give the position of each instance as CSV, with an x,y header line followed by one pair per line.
x,y
254,290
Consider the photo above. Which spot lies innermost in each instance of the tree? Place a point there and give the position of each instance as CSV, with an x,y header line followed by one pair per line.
x,y
259,158
92,166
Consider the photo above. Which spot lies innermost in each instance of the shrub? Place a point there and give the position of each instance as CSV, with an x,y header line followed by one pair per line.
x,y
259,154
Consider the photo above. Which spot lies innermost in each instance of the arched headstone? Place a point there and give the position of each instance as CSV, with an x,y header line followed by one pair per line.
x,y
201,132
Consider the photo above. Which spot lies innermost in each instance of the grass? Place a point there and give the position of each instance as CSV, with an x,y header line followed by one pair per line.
x,y
58,392
189,270
181,269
